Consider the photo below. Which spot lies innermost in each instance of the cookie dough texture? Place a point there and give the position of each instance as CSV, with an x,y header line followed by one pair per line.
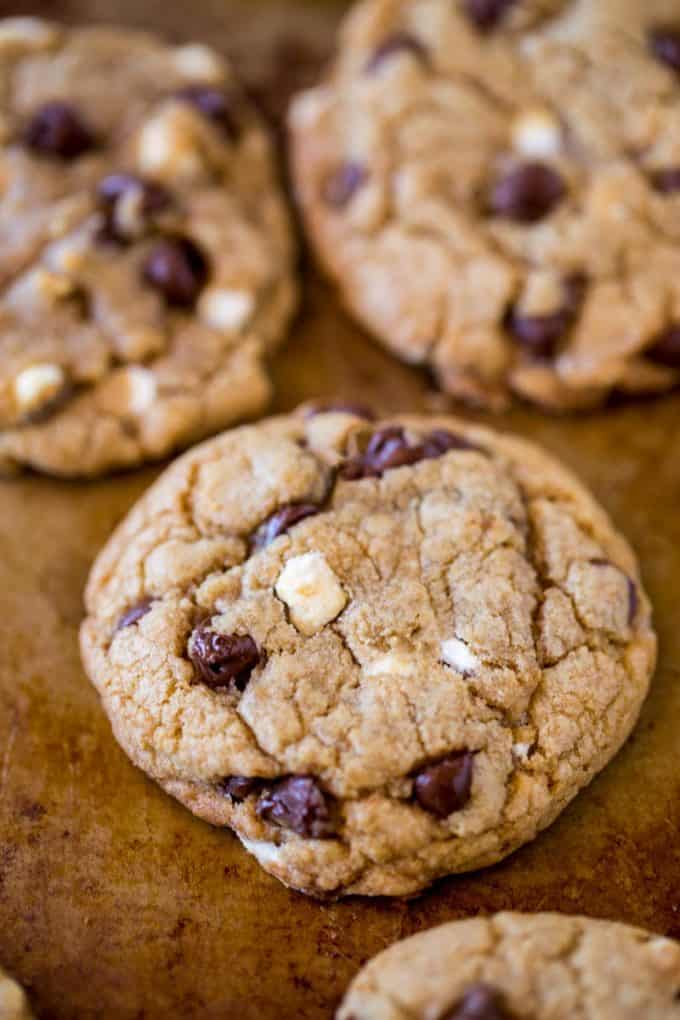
x,y
146,261
446,650
541,965
13,1002
495,187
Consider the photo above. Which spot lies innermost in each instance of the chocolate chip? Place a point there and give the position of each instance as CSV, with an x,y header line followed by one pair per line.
x,y
223,660
400,42
540,334
153,198
282,521
389,448
486,14
215,104
340,185
340,407
299,804
237,788
445,787
527,193
178,269
134,614
57,129
666,181
441,441
480,1002
664,42
665,348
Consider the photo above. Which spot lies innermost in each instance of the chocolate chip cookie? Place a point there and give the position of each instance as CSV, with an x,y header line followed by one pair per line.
x,y
380,651
13,1002
495,187
521,967
146,258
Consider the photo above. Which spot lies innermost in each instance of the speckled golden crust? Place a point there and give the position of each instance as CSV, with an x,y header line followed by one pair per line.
x,y
97,371
498,550
545,965
417,254
13,1002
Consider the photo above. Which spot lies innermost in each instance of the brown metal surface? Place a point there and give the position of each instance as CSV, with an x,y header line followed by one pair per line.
x,y
114,901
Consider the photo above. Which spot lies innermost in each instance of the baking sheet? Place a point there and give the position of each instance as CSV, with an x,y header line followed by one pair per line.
x,y
115,901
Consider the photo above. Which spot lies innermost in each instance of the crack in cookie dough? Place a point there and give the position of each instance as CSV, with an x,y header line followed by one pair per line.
x,y
520,967
445,650
147,265
500,199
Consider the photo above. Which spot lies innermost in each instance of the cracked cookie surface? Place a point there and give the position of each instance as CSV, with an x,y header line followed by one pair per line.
x,y
521,967
13,1002
147,264
381,652
495,187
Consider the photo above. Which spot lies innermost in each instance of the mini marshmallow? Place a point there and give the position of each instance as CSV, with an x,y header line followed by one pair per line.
x,y
536,133
311,591
37,385
456,654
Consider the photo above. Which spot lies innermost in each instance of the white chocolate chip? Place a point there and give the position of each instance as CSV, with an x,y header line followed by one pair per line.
x,y
309,107
167,144
394,664
543,293
311,591
32,33
227,310
262,850
198,63
37,385
130,391
456,654
521,751
536,133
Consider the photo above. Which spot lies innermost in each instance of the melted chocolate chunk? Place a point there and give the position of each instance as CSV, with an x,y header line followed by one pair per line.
x,y
341,184
441,441
237,788
665,348
223,660
134,614
299,804
399,43
216,105
666,181
282,521
540,335
486,14
57,130
480,1002
153,198
664,42
528,193
446,786
177,269
389,448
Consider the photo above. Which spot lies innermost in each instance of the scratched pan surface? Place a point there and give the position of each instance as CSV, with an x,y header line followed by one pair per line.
x,y
114,901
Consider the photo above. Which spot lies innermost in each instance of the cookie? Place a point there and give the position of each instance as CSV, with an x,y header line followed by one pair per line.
x,y
521,967
147,262
13,1002
380,651
495,187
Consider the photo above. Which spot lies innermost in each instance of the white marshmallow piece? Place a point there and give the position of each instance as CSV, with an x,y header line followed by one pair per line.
x,y
521,751
37,385
198,63
226,310
311,591
393,663
536,134
456,654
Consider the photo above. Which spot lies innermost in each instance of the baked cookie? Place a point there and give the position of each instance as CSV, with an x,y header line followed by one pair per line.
x,y
381,652
146,258
495,186
521,967
13,1002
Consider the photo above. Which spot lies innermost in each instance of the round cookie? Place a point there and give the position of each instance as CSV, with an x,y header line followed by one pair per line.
x,y
146,260
495,187
381,652
13,1002
521,967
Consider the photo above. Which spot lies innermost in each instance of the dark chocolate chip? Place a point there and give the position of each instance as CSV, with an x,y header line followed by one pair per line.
x,y
441,441
667,180
134,614
541,334
237,788
528,193
400,42
340,186
445,787
282,521
57,129
178,269
299,804
341,407
153,198
665,348
389,448
480,1002
223,660
664,42
486,14
215,104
